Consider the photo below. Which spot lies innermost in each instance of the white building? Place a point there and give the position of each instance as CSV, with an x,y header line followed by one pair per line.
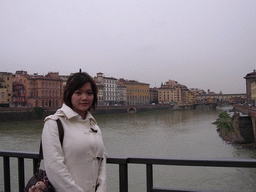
x,y
109,89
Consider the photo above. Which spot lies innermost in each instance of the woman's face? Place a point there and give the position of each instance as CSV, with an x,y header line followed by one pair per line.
x,y
82,99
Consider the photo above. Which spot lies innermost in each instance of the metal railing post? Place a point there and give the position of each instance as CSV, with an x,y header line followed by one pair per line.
x,y
21,173
149,170
7,178
35,163
123,176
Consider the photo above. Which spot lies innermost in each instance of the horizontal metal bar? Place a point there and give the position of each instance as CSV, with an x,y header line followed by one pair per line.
x,y
156,189
117,160
246,163
19,154
124,161
195,162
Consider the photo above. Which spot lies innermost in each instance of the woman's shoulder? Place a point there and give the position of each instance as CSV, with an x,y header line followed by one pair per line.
x,y
51,117
60,113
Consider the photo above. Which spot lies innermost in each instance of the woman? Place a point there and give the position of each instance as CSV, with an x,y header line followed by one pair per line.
x,y
80,163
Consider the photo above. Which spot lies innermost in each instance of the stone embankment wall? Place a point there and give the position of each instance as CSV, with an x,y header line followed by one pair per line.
x,y
247,118
254,127
24,114
243,127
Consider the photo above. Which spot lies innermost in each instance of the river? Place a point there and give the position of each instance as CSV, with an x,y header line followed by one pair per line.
x,y
170,134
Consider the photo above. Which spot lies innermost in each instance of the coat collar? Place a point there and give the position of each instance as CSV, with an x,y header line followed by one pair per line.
x,y
69,113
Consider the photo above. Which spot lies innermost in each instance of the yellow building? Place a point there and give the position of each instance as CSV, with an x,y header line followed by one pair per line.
x,y
41,91
137,93
6,89
189,97
4,95
174,93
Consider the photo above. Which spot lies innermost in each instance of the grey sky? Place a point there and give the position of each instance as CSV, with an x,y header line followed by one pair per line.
x,y
201,44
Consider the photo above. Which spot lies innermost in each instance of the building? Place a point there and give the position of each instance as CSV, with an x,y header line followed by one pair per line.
x,y
64,79
4,94
170,93
6,89
196,91
41,91
250,79
101,94
153,95
109,85
19,95
137,93
253,92
121,95
189,97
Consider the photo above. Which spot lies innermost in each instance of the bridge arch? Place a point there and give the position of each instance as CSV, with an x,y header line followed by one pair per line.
x,y
131,110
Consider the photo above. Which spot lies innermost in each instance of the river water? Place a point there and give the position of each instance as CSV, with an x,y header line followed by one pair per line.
x,y
168,134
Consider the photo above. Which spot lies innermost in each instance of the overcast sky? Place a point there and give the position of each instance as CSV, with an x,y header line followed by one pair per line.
x,y
201,44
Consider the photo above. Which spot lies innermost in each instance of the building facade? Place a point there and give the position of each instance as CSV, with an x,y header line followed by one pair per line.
x,y
6,89
137,93
170,93
250,78
154,95
41,91
101,94
109,85
253,92
19,98
121,95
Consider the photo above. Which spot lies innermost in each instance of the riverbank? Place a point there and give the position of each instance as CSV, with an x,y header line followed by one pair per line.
x,y
229,134
30,113
233,139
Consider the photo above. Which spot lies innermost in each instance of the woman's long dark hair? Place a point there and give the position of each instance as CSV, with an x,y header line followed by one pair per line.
x,y
75,82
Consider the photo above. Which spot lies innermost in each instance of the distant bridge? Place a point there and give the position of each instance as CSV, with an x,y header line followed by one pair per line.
x,y
220,98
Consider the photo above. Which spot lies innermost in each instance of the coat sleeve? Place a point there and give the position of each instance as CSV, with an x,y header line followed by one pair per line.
x,y
54,161
102,177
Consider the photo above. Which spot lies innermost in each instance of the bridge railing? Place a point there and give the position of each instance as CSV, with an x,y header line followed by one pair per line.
x,y
123,168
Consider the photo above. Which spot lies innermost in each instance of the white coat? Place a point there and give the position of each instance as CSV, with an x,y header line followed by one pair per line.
x,y
80,163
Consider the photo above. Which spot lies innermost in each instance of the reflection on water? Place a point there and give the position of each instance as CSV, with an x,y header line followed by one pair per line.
x,y
178,134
